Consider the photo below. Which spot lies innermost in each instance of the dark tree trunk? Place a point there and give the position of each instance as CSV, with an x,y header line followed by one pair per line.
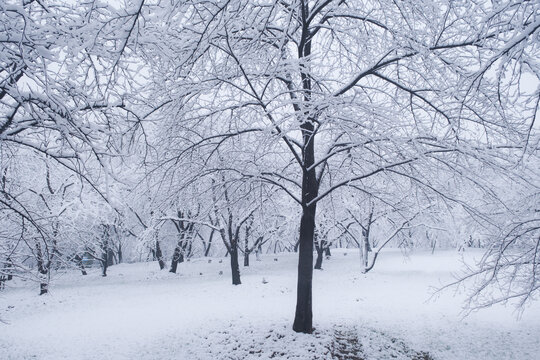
x,y
246,257
320,251
104,267
235,267
183,246
178,253
189,250
120,254
175,259
43,270
159,256
105,251
104,260
304,315
110,257
7,268
246,248
207,250
318,262
79,261
186,249
44,283
43,288
327,251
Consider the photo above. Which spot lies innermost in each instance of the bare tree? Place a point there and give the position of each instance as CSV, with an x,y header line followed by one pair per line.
x,y
343,94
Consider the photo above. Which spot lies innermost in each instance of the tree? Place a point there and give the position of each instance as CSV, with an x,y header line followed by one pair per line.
x,y
356,92
186,233
508,271
65,104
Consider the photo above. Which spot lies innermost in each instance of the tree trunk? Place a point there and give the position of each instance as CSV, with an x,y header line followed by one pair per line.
x,y
44,283
110,257
235,267
327,251
9,265
258,253
189,247
159,256
105,251
304,314
79,261
104,260
246,257
246,251
43,288
318,262
175,258
365,253
320,251
207,250
104,267
120,254
43,270
178,253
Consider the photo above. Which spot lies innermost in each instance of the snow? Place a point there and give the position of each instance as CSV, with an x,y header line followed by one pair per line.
x,y
139,312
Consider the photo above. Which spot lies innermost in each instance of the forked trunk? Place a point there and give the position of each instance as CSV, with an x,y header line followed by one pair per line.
x,y
177,253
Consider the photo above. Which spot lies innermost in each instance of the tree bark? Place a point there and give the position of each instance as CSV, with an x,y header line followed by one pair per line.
x,y
104,265
110,257
43,288
174,261
235,267
304,314
318,262
120,254
246,257
44,283
207,250
159,256
79,261
44,267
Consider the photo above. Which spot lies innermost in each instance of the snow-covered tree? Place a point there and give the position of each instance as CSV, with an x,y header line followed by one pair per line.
x,y
354,91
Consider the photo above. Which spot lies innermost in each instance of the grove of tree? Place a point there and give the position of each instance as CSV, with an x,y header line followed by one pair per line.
x,y
165,130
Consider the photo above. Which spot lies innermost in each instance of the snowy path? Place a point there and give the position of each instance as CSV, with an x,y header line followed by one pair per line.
x,y
138,312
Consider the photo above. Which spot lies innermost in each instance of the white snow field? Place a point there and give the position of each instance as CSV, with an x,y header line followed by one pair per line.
x,y
139,312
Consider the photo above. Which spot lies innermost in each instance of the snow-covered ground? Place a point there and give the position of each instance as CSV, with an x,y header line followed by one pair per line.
x,y
139,312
